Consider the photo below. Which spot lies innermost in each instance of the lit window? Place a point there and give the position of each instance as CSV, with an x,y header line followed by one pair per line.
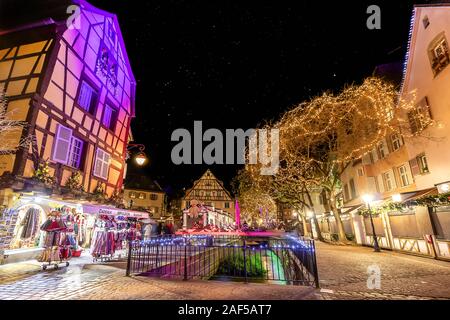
x,y
420,116
87,98
402,170
101,166
423,164
438,53
109,117
132,195
141,195
396,141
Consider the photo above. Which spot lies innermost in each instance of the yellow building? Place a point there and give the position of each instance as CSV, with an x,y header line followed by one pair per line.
x,y
403,169
142,193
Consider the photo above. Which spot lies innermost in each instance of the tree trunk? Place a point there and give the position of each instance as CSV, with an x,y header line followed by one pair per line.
x,y
337,217
314,219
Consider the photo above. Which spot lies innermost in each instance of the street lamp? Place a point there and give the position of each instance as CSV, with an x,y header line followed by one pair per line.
x,y
141,157
368,198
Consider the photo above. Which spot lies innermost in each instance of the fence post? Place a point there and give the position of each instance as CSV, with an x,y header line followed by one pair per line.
x,y
130,243
316,272
185,261
245,263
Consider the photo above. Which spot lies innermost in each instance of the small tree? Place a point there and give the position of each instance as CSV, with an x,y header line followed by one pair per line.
x,y
11,138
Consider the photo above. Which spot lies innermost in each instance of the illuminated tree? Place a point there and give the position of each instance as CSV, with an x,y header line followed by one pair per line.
x,y
322,137
11,139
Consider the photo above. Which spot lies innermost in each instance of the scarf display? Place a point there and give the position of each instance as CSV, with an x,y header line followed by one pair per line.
x,y
30,223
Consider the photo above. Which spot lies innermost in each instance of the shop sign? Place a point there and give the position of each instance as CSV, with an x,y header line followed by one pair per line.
x,y
112,211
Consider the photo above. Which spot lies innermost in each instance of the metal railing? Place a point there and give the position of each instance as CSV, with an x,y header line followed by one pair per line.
x,y
283,260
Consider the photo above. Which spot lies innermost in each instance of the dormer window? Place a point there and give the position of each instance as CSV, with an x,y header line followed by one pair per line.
x,y
426,22
438,54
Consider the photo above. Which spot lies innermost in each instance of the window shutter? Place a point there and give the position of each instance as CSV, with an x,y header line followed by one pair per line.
x,y
415,170
385,147
62,144
366,159
392,175
371,184
374,155
380,183
409,173
105,165
98,163
93,102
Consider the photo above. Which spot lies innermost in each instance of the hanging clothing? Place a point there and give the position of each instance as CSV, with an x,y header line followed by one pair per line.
x,y
30,223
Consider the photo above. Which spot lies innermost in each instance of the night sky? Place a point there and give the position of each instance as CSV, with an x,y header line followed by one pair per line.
x,y
234,64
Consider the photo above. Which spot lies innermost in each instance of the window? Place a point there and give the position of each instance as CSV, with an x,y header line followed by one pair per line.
x,y
101,164
388,179
360,172
438,54
426,22
109,117
381,151
76,149
402,171
132,195
87,97
352,188
153,196
423,164
67,149
106,68
396,141
227,205
141,195
420,116
346,194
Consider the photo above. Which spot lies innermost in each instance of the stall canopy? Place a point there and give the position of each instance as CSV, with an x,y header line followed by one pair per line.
x,y
94,209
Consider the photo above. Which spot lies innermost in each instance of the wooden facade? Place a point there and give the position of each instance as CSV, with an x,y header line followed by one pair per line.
x,y
75,89
210,191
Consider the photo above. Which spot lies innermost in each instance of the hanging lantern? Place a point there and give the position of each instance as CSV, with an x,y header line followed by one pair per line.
x,y
141,158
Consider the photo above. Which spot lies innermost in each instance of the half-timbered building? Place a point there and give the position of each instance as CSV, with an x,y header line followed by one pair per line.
x,y
210,191
66,73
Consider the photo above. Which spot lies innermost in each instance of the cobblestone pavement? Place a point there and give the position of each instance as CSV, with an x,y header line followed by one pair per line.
x,y
86,281
343,274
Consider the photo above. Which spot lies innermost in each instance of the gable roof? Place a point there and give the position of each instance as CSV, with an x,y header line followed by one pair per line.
x,y
35,13
208,175
413,29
